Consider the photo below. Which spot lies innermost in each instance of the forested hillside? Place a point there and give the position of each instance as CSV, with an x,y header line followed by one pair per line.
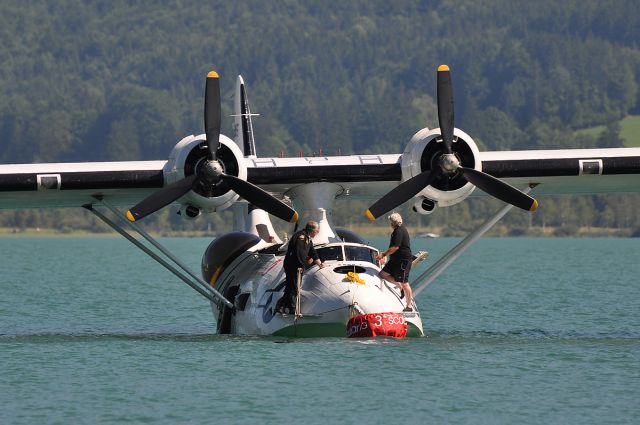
x,y
123,80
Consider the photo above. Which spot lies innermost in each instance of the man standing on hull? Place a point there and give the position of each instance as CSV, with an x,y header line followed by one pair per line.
x,y
397,269
300,252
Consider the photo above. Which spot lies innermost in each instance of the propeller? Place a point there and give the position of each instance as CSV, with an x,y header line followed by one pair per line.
x,y
445,106
499,189
212,113
401,194
210,172
448,165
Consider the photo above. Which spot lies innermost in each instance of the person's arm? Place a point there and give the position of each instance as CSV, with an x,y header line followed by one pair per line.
x,y
388,252
314,256
394,245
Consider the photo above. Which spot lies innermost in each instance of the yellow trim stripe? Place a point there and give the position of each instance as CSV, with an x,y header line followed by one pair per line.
x,y
215,276
534,206
212,74
370,216
442,68
294,217
130,216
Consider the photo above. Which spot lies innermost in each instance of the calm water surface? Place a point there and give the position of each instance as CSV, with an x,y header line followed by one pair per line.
x,y
524,331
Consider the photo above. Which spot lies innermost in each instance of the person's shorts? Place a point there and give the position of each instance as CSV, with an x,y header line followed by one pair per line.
x,y
399,269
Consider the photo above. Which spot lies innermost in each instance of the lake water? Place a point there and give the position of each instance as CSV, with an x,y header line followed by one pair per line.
x,y
519,331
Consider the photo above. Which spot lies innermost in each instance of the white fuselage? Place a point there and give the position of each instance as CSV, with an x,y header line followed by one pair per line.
x,y
329,296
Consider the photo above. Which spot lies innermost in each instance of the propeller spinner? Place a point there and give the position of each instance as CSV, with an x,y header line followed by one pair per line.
x,y
448,165
211,172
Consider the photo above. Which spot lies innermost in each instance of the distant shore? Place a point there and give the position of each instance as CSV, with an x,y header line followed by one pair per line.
x,y
497,231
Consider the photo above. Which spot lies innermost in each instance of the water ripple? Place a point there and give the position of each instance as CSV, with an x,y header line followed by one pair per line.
x,y
537,334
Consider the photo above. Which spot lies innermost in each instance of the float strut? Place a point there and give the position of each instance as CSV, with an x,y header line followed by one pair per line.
x,y
446,260
166,252
206,292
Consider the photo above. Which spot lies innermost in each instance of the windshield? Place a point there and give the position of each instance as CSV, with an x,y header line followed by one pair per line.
x,y
359,253
351,253
331,253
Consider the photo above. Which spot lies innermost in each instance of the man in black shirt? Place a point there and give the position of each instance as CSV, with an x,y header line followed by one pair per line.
x,y
300,252
397,269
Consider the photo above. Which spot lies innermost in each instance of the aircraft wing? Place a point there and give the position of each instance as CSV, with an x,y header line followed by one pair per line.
x,y
57,185
564,171
569,171
437,164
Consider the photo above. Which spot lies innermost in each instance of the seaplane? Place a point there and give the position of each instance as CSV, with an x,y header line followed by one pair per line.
x,y
242,273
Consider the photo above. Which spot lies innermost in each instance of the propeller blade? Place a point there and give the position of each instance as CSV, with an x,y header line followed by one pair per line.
x,y
212,112
260,198
499,189
401,194
161,198
445,105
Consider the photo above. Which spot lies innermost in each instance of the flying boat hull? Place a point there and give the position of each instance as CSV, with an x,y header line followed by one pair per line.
x,y
329,296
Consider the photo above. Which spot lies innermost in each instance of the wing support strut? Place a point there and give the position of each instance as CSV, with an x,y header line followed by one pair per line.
x,y
189,278
446,260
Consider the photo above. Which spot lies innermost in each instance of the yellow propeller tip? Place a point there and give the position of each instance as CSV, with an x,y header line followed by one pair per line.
x,y
534,206
370,216
294,217
212,74
130,216
443,68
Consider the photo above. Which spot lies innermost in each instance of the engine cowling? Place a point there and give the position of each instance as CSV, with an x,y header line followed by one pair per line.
x,y
190,153
443,165
424,206
189,212
423,153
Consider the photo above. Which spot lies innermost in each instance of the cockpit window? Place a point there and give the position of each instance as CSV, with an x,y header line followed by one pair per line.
x,y
359,253
331,253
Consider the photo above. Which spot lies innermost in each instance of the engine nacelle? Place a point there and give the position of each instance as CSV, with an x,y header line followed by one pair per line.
x,y
189,212
183,160
423,153
425,206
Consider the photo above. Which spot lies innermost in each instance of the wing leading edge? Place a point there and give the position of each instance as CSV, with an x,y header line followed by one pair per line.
x,y
565,171
568,171
56,185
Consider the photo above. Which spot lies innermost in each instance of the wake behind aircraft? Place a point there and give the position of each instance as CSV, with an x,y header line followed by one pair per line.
x,y
242,272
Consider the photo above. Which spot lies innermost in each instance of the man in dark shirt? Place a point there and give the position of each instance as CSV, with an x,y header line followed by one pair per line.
x,y
397,269
300,252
